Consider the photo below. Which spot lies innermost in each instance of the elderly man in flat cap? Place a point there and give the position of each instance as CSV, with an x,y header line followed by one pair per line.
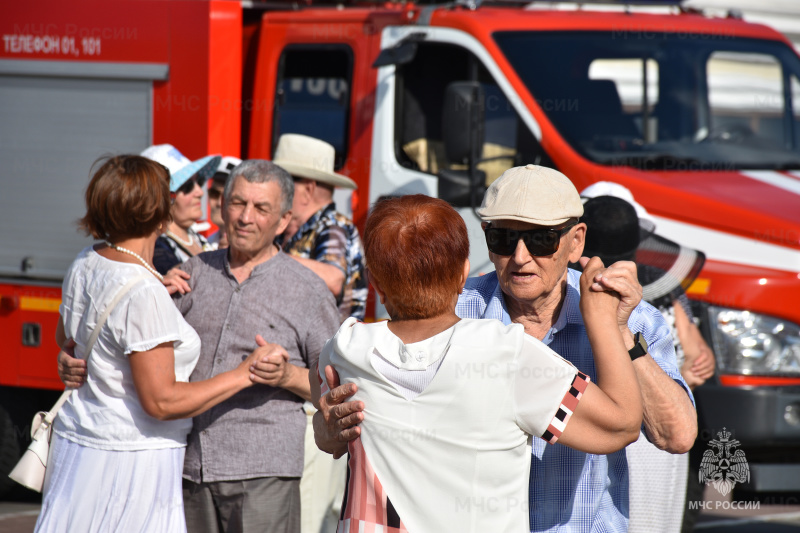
x,y
531,223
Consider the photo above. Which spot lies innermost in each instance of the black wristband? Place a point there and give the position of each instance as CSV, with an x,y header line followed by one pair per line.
x,y
639,348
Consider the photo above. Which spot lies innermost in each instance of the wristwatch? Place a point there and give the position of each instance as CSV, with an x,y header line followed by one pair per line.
x,y
639,348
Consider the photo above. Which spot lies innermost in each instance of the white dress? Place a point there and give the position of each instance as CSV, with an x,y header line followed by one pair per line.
x,y
112,467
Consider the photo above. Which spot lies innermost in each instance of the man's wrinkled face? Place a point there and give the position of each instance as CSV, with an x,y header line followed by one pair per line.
x,y
526,279
253,216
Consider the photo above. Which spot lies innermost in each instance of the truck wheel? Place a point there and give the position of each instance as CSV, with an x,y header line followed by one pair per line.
x,y
9,451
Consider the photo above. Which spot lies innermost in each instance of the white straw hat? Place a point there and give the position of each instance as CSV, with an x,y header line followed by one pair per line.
x,y
307,157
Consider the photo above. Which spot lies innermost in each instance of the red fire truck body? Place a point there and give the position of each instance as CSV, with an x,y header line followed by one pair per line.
x,y
695,115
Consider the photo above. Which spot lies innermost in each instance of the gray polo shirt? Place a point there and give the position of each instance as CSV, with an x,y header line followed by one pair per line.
x,y
258,432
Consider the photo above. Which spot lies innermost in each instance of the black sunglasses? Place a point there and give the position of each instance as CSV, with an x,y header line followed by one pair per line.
x,y
214,193
188,185
539,242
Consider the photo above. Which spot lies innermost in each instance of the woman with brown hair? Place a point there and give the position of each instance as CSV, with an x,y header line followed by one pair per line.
x,y
450,403
116,456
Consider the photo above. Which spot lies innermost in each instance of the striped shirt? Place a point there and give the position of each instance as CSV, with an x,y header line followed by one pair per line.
x,y
332,238
571,490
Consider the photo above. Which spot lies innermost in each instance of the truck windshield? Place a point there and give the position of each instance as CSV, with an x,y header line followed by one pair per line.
x,y
665,100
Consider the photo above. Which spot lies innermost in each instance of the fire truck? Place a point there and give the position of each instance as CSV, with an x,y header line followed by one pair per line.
x,y
699,116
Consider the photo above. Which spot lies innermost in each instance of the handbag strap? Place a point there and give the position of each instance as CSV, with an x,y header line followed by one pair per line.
x,y
51,414
110,307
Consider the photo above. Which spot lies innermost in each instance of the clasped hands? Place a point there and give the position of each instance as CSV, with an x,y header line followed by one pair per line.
x,y
269,365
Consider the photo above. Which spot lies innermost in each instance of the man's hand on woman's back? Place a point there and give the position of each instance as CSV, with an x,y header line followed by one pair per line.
x,y
336,421
71,370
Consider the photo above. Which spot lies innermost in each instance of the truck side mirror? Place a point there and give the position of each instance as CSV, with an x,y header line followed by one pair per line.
x,y
401,53
462,131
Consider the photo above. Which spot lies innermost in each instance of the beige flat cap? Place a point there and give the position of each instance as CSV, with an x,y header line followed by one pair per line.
x,y
532,194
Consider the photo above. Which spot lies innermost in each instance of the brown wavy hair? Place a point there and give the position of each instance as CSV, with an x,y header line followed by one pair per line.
x,y
128,197
415,248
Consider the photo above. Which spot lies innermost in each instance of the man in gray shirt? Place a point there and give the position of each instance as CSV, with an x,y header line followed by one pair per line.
x,y
245,456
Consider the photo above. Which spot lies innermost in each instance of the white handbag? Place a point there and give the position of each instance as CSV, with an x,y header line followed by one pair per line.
x,y
30,470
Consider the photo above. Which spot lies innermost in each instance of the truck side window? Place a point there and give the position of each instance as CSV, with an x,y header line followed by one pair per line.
x,y
313,95
420,94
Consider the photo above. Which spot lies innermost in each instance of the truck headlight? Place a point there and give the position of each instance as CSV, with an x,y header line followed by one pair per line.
x,y
754,344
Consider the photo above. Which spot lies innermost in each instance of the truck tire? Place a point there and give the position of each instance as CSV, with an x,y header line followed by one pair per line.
x,y
9,451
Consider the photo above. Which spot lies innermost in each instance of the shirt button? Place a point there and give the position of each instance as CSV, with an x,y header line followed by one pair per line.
x,y
420,356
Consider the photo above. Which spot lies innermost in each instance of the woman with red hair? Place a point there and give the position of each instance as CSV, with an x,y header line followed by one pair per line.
x,y
451,403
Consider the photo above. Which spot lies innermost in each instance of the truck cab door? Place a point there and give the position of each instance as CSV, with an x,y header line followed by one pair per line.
x,y
312,77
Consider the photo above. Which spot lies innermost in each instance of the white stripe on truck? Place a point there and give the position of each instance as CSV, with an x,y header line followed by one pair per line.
x,y
721,246
776,179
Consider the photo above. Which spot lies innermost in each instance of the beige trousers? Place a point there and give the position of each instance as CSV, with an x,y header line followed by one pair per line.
x,y
322,485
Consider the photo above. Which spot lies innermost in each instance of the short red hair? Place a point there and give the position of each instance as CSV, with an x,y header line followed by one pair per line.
x,y
415,248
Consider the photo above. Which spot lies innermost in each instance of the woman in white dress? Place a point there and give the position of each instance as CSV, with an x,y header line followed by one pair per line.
x,y
116,455
451,404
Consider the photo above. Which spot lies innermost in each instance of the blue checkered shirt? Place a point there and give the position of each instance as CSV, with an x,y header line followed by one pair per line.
x,y
571,490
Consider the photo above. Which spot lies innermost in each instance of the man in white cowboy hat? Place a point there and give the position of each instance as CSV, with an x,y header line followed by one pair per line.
x,y
328,243
180,241
531,222
318,236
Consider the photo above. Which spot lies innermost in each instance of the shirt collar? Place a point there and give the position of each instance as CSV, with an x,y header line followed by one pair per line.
x,y
259,268
496,307
570,310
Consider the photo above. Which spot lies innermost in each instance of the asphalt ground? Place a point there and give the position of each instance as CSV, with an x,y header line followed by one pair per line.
x,y
718,515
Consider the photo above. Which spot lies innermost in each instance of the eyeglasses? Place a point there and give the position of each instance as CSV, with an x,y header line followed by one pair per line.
x,y
539,242
188,185
214,193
